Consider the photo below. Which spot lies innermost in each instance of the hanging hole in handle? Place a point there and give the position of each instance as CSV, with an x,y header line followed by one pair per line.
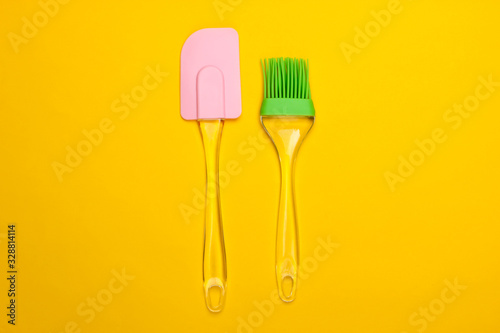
x,y
214,294
287,288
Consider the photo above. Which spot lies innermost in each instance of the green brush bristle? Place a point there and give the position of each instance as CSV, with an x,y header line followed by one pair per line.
x,y
286,88
286,78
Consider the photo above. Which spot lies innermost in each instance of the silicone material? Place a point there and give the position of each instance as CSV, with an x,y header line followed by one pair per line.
x,y
287,107
286,88
210,75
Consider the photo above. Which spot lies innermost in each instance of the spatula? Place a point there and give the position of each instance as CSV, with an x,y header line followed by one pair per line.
x,y
211,93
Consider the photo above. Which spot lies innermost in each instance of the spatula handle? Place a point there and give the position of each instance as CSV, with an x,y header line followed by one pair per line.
x,y
214,254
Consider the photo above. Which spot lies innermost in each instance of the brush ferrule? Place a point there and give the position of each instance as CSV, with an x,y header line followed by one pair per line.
x,y
287,107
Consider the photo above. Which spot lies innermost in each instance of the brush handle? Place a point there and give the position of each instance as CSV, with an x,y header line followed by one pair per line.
x,y
287,134
287,244
214,254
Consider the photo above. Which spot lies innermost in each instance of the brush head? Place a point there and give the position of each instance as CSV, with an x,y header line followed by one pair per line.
x,y
286,88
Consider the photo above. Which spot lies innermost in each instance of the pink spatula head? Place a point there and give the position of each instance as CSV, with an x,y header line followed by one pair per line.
x,y
210,75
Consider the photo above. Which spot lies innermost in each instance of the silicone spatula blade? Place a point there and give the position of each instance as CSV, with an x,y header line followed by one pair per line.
x,y
210,62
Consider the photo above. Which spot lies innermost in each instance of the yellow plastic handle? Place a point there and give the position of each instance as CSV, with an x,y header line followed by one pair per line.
x,y
214,253
287,242
287,134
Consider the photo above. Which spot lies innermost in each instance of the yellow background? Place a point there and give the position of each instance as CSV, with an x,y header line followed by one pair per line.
x,y
121,207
